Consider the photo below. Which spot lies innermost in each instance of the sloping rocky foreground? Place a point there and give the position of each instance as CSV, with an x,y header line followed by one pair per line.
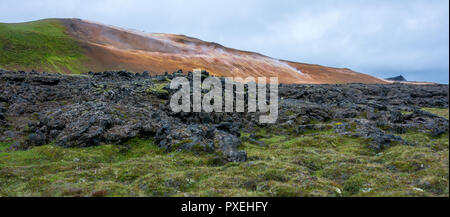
x,y
113,107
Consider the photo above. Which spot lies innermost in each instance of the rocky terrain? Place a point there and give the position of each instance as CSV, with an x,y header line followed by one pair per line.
x,y
115,107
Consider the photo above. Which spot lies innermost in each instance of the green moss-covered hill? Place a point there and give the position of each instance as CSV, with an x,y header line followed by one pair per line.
x,y
40,45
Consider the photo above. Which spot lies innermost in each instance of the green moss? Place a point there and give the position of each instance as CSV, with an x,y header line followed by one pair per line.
x,y
175,147
290,113
4,146
319,163
275,175
363,114
443,112
423,139
353,185
158,88
40,45
278,189
406,112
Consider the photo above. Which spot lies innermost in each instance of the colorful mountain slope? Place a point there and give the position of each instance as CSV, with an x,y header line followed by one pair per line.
x,y
74,46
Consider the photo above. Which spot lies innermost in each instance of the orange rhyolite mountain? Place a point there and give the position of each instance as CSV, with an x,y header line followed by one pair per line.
x,y
109,48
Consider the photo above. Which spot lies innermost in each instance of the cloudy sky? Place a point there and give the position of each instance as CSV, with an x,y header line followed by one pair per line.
x,y
381,37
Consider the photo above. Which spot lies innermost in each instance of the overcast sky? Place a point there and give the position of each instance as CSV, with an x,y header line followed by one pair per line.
x,y
381,37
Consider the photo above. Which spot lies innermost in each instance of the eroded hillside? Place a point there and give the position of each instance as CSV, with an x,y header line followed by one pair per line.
x,y
74,46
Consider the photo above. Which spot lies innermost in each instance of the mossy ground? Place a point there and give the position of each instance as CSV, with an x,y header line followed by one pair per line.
x,y
443,112
158,88
40,45
316,163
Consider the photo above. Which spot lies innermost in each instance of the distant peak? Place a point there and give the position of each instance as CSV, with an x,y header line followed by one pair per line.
x,y
397,78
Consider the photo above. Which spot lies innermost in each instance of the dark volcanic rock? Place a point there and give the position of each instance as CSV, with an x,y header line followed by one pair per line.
x,y
109,108
37,139
378,138
114,106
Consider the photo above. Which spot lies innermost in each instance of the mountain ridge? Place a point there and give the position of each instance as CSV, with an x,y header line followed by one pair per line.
x,y
106,47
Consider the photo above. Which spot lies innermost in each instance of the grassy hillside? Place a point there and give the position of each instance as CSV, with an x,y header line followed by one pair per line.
x,y
40,45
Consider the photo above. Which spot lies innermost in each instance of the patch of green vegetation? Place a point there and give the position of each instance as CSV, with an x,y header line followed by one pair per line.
x,y
290,113
3,146
158,88
422,139
40,45
443,112
319,163
406,112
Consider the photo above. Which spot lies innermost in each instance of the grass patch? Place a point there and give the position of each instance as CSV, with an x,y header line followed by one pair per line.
x,y
40,45
158,88
406,112
443,112
3,146
319,163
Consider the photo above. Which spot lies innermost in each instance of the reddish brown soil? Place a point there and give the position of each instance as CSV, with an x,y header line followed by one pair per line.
x,y
112,48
